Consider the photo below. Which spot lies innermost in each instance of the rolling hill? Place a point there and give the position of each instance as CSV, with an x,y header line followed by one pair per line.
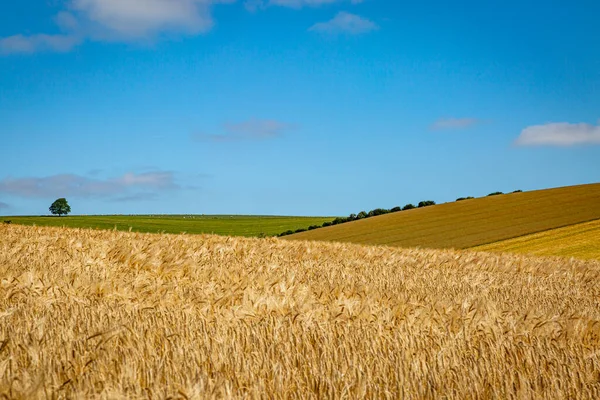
x,y
470,223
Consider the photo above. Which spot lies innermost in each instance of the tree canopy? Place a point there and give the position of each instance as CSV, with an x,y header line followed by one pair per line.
x,y
60,207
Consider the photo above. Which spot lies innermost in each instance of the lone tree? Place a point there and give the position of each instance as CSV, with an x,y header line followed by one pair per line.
x,y
60,207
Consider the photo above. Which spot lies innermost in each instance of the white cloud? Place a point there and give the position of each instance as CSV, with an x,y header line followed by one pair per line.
x,y
253,129
347,23
140,19
79,186
559,134
117,20
454,123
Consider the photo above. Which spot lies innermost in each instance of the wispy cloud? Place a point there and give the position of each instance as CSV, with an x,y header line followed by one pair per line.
x,y
454,123
253,5
559,134
135,198
116,20
345,23
257,128
36,43
3,206
251,130
73,185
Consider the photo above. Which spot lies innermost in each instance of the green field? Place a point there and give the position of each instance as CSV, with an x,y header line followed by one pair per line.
x,y
579,241
470,223
230,225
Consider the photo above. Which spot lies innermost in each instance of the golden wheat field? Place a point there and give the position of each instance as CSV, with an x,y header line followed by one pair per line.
x,y
579,240
106,314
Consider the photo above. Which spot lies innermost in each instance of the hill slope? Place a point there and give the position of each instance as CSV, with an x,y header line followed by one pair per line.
x,y
580,240
473,222
105,314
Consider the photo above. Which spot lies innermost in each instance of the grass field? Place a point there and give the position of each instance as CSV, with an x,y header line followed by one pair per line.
x,y
230,225
470,223
580,240
106,314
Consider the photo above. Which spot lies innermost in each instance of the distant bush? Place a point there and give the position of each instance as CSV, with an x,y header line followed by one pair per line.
x,y
326,224
518,191
289,232
300,230
313,227
361,215
408,207
465,198
339,220
377,211
495,194
426,203
396,209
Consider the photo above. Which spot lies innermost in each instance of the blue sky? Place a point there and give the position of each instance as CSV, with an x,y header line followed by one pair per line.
x,y
297,107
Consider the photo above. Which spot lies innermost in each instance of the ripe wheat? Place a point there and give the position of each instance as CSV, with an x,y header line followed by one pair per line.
x,y
101,314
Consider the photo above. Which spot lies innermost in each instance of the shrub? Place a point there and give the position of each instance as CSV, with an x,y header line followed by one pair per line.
x,y
408,207
313,227
465,198
361,215
300,230
518,191
326,224
395,209
495,194
377,211
426,203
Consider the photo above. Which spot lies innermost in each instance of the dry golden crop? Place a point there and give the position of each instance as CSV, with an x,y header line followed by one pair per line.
x,y
104,314
580,240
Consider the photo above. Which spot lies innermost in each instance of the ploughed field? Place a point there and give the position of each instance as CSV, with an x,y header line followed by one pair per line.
x,y
229,225
470,223
109,314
